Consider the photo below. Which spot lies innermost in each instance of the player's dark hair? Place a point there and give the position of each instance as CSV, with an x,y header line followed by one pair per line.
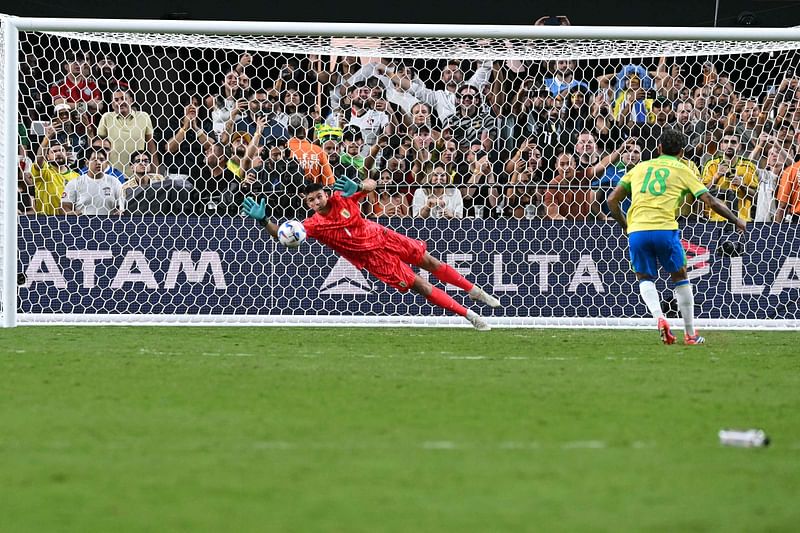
x,y
672,142
311,187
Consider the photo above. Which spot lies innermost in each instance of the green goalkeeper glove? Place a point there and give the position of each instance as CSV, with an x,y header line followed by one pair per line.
x,y
347,186
255,210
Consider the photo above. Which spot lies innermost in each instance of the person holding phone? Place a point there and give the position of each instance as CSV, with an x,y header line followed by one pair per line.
x,y
731,178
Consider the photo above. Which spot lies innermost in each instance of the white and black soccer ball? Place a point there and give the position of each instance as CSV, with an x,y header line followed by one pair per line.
x,y
292,233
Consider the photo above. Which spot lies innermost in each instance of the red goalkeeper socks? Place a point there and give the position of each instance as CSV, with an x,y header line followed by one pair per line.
x,y
448,274
442,299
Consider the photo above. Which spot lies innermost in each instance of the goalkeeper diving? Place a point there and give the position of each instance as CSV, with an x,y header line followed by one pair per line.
x,y
338,223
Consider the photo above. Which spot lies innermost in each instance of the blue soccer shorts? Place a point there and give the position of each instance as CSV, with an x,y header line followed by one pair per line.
x,y
662,245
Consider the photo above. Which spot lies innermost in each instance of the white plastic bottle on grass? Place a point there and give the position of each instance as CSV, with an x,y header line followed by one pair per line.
x,y
743,438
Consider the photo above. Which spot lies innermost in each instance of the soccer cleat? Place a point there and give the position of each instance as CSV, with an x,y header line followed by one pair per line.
x,y
666,335
480,295
477,321
693,340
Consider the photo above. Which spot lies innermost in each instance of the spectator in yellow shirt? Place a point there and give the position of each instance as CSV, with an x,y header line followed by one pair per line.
x,y
50,174
129,130
731,178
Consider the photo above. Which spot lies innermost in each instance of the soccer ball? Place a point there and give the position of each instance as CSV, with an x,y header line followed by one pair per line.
x,y
292,233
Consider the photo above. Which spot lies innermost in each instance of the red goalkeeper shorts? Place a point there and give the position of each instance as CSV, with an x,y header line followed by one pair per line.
x,y
390,264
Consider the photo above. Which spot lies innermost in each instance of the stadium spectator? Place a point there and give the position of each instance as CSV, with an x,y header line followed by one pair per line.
x,y
562,77
687,123
731,178
66,124
278,178
93,193
105,145
362,115
129,130
222,105
387,200
630,156
437,199
660,117
142,173
186,140
50,174
481,197
748,123
77,85
108,77
443,101
312,157
214,180
569,197
522,199
262,104
471,122
770,160
788,195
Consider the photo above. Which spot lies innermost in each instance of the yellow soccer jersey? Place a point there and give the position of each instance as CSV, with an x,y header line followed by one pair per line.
x,y
657,188
49,184
744,168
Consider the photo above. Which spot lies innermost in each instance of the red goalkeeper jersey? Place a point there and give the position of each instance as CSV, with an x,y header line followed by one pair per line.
x,y
344,229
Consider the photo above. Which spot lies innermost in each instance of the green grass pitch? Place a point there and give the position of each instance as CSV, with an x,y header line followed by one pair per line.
x,y
380,429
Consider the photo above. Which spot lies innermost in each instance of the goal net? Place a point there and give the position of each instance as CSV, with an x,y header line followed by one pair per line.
x,y
135,151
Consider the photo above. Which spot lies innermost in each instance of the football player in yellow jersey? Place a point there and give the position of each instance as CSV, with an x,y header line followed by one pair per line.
x,y
657,188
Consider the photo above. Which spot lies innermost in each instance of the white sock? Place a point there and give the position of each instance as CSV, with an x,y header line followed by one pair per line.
x,y
651,298
686,304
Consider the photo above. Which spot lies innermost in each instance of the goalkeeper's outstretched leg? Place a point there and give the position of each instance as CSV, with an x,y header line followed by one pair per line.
x,y
447,274
438,297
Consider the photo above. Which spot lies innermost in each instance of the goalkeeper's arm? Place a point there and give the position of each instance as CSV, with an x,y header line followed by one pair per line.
x,y
258,212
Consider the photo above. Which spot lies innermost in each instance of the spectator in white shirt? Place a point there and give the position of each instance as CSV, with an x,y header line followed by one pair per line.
x,y
93,193
437,200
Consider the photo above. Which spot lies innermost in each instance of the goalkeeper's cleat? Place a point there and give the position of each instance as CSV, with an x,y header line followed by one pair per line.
x,y
693,340
666,335
480,295
477,321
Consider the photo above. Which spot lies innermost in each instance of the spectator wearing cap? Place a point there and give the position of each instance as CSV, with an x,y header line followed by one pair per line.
x,y
311,156
77,85
129,130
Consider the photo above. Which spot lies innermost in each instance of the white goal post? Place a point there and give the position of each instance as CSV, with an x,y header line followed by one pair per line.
x,y
532,233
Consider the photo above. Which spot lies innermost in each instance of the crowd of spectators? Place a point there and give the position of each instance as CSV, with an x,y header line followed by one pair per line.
x,y
444,139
